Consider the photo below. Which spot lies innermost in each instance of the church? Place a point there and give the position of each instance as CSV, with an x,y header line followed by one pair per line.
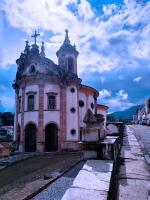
x,y
50,99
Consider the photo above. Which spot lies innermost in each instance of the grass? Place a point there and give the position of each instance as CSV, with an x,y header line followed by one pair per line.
x,y
32,169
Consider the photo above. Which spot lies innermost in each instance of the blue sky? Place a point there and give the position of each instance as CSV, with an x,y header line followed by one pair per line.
x,y
112,37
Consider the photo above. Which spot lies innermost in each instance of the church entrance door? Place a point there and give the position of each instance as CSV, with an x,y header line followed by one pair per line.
x,y
30,138
51,137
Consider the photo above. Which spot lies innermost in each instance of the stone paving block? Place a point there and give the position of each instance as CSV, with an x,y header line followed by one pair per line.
x,y
134,169
134,177
92,181
132,189
126,154
98,165
83,194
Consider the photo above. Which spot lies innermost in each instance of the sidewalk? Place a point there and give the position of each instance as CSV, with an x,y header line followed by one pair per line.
x,y
134,177
92,181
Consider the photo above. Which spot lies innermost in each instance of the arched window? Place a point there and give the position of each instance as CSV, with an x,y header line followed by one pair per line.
x,y
30,102
70,64
32,69
52,102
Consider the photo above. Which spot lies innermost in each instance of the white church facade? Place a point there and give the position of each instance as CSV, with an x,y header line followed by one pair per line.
x,y
51,101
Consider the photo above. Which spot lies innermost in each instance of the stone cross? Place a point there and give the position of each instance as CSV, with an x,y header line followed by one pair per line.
x,y
35,36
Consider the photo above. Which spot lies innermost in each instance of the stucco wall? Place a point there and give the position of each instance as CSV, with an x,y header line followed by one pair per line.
x,y
51,116
20,92
87,99
19,118
51,88
31,117
90,100
32,88
72,118
103,112
82,110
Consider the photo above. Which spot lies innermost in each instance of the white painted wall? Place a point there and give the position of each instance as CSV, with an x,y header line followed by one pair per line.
x,y
20,92
32,88
19,118
52,88
72,118
112,128
103,112
51,116
31,117
82,111
87,99
90,100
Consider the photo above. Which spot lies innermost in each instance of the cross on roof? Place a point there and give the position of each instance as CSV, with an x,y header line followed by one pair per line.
x,y
35,36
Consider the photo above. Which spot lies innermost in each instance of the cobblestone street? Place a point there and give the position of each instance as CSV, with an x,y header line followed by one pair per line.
x,y
142,134
57,189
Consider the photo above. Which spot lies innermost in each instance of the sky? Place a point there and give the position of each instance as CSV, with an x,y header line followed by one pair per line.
x,y
112,37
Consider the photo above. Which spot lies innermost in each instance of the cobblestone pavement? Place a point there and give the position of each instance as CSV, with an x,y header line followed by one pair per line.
x,y
142,134
56,190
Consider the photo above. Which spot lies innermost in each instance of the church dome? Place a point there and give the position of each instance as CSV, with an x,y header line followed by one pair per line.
x,y
32,61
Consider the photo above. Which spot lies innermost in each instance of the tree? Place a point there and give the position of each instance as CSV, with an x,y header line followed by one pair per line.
x,y
7,119
110,118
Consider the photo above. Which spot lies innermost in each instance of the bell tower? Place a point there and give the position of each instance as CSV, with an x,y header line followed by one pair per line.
x,y
67,55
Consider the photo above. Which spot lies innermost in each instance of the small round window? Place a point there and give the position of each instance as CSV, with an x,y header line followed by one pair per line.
x,y
73,132
81,103
72,90
92,105
73,110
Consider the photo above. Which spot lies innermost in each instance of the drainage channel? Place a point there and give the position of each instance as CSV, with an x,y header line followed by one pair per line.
x,y
56,190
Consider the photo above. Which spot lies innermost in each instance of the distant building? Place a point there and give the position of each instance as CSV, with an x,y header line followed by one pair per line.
x,y
51,101
142,115
9,129
147,108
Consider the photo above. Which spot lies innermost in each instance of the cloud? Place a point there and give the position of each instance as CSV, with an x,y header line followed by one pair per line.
x,y
85,10
104,93
137,79
113,40
102,79
122,94
119,38
109,9
119,101
118,104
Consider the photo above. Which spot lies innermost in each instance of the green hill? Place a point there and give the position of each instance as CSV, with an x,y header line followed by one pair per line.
x,y
125,115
